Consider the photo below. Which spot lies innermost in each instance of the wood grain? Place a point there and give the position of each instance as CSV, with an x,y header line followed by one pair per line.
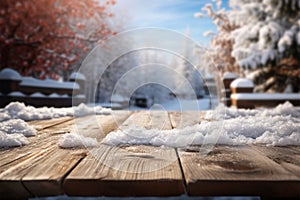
x,y
17,162
186,118
41,166
239,170
129,170
43,124
126,171
149,120
287,157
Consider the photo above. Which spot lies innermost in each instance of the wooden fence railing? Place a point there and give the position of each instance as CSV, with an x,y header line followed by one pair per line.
x,y
239,93
37,92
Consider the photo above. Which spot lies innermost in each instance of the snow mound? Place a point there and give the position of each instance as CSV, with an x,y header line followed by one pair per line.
x,y
16,94
278,126
48,83
242,83
10,74
12,140
14,129
17,126
74,140
77,76
38,95
54,95
230,75
17,110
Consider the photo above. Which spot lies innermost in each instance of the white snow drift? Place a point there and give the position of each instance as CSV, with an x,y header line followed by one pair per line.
x,y
279,126
14,129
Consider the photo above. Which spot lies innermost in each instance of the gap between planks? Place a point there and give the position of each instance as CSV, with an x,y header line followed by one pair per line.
x,y
129,170
42,171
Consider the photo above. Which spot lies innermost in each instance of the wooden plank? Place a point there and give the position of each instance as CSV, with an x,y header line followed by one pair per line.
x,y
236,171
42,140
186,118
99,126
14,163
43,124
126,171
45,179
149,120
42,166
129,170
287,157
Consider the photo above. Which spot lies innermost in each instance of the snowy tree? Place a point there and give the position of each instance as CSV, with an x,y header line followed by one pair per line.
x,y
267,40
260,37
219,52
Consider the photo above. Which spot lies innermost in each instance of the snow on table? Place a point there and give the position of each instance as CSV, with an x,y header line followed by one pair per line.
x,y
14,115
41,168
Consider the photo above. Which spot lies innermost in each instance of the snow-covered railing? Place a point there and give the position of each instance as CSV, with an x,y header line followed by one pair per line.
x,y
253,100
37,92
242,96
228,77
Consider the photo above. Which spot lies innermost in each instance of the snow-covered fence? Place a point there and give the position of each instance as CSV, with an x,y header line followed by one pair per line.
x,y
228,77
243,97
37,92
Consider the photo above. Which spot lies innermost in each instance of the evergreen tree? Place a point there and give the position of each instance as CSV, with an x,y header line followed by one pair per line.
x,y
267,41
261,37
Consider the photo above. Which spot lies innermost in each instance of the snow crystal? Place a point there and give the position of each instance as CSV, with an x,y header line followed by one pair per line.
x,y
12,140
73,140
278,126
242,83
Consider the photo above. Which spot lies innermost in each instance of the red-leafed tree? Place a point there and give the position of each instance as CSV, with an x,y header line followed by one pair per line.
x,y
46,38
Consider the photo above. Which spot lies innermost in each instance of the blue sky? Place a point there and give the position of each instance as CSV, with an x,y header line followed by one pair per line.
x,y
177,15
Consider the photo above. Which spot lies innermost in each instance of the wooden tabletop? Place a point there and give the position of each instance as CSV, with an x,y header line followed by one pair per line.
x,y
42,168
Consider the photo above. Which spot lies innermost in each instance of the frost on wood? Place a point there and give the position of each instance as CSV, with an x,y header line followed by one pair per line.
x,y
279,126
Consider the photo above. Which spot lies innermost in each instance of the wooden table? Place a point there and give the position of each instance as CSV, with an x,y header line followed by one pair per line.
x,y
43,169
